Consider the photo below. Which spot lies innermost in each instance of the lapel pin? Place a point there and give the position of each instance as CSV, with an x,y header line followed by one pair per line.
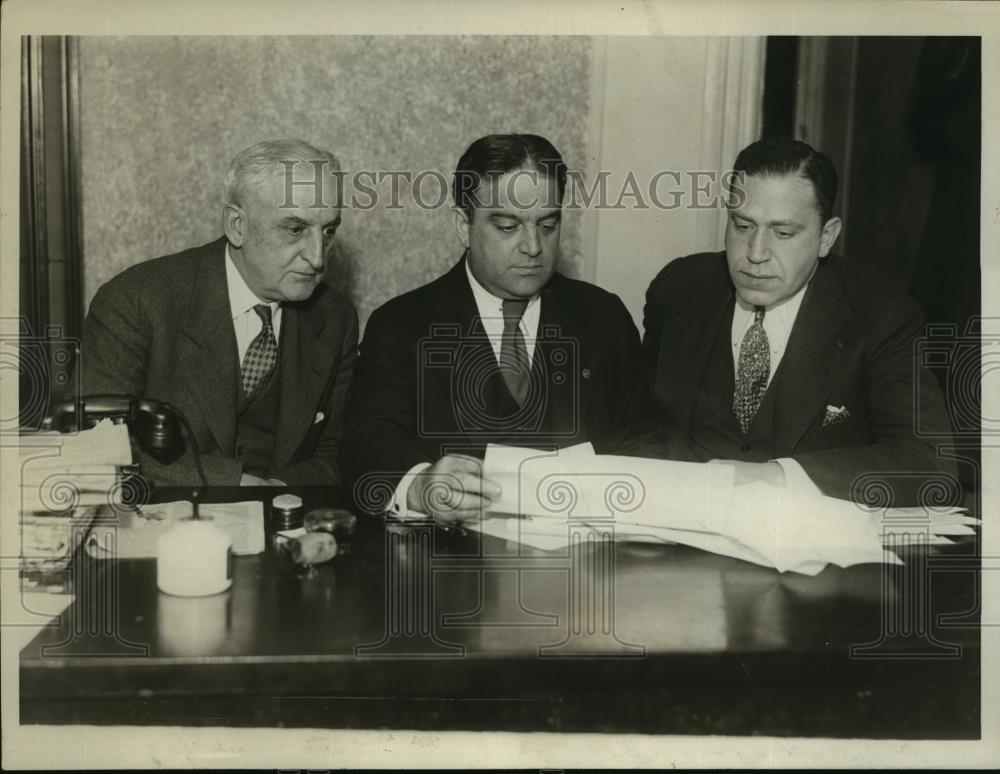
x,y
586,373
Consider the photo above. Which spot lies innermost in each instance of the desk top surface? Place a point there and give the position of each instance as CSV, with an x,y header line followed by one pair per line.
x,y
421,611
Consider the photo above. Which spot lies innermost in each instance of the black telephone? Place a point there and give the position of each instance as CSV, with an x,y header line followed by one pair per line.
x,y
154,424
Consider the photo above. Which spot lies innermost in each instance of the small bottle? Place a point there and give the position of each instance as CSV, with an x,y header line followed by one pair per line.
x,y
286,511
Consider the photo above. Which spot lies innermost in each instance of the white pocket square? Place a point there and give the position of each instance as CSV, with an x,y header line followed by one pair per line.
x,y
320,416
835,415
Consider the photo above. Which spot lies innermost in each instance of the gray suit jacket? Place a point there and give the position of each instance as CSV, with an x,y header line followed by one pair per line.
x,y
162,329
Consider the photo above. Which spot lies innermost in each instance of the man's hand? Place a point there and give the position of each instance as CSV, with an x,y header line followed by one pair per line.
x,y
452,490
750,472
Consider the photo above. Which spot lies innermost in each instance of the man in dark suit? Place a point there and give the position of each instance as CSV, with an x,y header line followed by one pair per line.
x,y
241,334
791,362
501,349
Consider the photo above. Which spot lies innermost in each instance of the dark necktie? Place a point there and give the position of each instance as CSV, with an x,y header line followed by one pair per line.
x,y
262,354
752,371
514,364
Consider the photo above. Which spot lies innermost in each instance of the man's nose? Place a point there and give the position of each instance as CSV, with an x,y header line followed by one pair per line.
x,y
757,251
531,245
313,251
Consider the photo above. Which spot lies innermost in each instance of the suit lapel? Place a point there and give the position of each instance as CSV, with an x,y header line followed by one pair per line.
x,y
473,385
208,353
304,372
692,333
559,326
812,359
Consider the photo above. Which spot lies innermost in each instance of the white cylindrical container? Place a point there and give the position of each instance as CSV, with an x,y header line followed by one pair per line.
x,y
194,559
193,626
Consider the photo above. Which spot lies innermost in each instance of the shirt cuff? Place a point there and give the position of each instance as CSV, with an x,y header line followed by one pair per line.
x,y
796,478
397,506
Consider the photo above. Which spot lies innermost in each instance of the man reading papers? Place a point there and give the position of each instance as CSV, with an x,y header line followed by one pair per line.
x,y
783,357
241,334
500,349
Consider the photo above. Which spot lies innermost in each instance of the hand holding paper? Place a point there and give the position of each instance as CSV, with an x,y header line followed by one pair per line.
x,y
453,489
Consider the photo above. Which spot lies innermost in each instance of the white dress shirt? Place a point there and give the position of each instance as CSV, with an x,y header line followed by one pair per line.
x,y
778,322
491,315
246,322
779,319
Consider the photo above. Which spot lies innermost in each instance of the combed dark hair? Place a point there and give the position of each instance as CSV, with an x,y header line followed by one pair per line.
x,y
494,155
784,156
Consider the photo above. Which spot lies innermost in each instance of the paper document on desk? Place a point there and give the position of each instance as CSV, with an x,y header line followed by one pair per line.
x,y
61,471
546,495
135,536
106,443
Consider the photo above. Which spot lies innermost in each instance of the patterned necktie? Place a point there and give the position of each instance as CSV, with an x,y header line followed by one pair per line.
x,y
262,354
752,372
514,364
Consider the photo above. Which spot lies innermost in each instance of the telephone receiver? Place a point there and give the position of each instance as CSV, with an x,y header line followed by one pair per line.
x,y
155,425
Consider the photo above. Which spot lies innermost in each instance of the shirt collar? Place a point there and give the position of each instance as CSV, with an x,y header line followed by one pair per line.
x,y
787,306
485,299
241,298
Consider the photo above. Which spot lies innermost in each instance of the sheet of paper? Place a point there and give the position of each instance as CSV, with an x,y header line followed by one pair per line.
x,y
106,443
937,529
690,503
135,536
543,534
572,483
521,471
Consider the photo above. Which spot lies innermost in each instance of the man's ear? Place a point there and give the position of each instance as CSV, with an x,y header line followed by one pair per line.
x,y
829,236
461,224
234,223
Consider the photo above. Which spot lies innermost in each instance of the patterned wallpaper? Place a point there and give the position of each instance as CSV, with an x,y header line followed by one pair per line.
x,y
162,117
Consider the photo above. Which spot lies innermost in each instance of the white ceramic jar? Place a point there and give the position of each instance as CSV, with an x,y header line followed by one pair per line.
x,y
194,559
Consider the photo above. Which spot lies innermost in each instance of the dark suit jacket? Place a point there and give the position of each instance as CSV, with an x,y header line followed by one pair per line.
x,y
163,330
852,345
426,362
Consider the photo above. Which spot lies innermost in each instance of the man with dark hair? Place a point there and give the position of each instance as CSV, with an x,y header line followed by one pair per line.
x,y
785,359
242,334
500,349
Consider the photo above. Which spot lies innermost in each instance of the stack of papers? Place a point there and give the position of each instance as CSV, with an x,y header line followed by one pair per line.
x,y
64,480
60,471
135,533
547,496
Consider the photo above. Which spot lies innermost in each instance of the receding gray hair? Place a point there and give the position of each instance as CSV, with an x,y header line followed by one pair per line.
x,y
263,160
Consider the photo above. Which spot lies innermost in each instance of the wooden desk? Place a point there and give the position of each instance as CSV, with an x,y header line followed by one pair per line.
x,y
422,629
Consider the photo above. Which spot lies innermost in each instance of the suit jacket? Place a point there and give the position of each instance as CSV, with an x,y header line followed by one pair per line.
x,y
852,345
428,382
162,329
